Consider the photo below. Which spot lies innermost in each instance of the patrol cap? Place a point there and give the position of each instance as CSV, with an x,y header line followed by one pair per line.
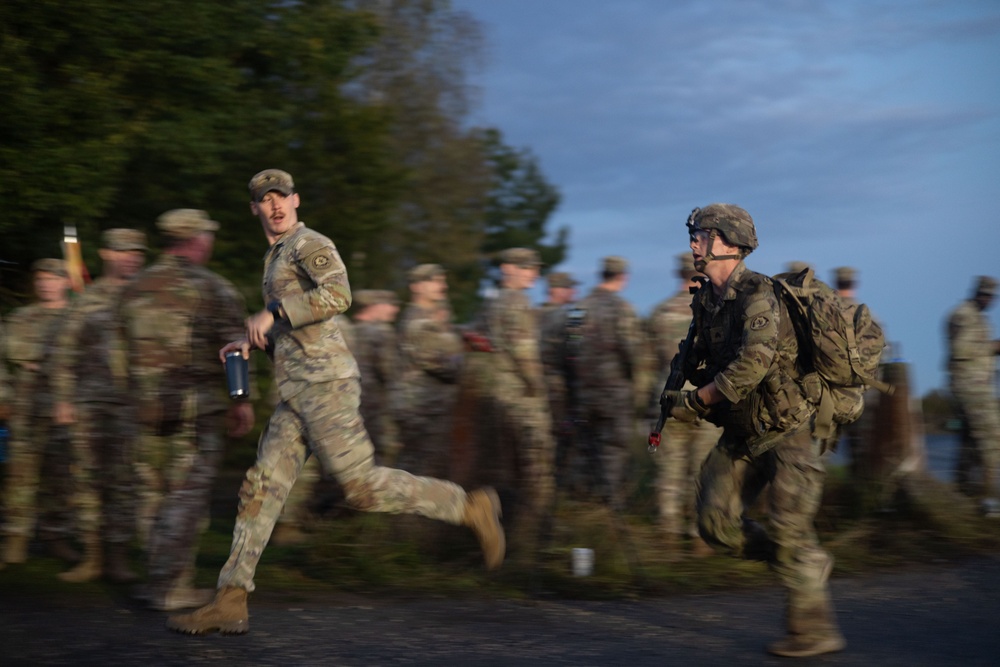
x,y
844,274
685,265
614,265
50,265
185,223
123,239
373,297
268,180
560,279
986,286
796,266
523,257
422,272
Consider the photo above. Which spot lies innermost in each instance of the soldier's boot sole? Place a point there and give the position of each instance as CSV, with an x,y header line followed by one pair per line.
x,y
804,647
482,515
226,614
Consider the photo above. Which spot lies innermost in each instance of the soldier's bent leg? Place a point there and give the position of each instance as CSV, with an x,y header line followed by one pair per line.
x,y
803,566
336,435
727,485
281,453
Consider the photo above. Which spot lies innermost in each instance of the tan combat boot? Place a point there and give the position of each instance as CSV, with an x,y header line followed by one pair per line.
x,y
89,568
812,627
227,614
482,515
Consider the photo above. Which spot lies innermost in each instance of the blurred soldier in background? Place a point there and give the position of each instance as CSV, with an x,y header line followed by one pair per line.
x,y
685,444
430,358
855,434
552,318
305,286
378,362
972,353
38,477
175,315
609,356
89,380
796,266
745,366
515,448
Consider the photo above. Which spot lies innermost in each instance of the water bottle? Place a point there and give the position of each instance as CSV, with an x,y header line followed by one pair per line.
x,y
237,376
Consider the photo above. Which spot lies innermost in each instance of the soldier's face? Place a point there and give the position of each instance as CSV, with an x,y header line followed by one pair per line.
x,y
122,263
277,212
50,287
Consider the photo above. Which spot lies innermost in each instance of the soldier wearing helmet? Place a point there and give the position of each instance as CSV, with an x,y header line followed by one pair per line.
x,y
744,365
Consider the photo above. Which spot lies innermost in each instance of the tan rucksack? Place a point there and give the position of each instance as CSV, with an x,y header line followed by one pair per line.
x,y
839,350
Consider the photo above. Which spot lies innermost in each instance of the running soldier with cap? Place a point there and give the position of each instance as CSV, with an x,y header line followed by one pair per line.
x,y
745,366
90,382
39,455
686,444
972,353
305,285
430,358
174,316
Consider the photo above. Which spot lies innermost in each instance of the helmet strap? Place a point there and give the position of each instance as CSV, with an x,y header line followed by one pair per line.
x,y
709,255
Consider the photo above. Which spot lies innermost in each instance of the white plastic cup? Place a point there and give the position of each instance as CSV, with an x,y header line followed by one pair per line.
x,y
583,562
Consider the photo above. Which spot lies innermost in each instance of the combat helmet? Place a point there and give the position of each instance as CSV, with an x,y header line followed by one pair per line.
x,y
734,223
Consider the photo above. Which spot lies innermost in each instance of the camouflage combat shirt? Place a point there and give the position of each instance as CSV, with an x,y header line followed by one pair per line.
x,y
304,272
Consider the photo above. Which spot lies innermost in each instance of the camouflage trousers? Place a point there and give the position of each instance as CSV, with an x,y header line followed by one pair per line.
x,y
515,450
104,495
324,420
683,450
730,482
606,430
979,451
425,429
38,479
175,474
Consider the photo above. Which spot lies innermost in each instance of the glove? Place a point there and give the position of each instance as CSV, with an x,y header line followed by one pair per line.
x,y
685,405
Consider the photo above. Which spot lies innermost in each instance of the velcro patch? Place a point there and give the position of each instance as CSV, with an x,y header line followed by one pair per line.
x,y
758,323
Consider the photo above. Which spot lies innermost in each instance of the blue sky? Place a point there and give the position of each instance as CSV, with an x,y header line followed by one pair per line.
x,y
855,133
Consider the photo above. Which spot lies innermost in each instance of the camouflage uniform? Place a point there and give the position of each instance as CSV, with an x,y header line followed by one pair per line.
x,y
39,456
972,355
430,358
318,413
552,331
175,316
91,372
516,451
609,357
684,445
746,344
6,390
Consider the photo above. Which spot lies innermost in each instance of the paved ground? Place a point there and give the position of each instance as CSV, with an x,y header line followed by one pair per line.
x,y
944,615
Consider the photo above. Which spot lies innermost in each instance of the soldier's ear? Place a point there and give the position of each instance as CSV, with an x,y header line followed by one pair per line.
x,y
254,208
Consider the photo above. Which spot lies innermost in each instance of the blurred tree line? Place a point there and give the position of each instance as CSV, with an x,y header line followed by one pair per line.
x,y
116,112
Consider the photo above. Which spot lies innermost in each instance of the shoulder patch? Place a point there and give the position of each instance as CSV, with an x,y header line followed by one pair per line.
x,y
758,323
320,260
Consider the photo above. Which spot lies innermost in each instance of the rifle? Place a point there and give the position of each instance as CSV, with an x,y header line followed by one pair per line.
x,y
675,382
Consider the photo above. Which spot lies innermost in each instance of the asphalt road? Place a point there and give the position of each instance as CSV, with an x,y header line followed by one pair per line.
x,y
940,615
